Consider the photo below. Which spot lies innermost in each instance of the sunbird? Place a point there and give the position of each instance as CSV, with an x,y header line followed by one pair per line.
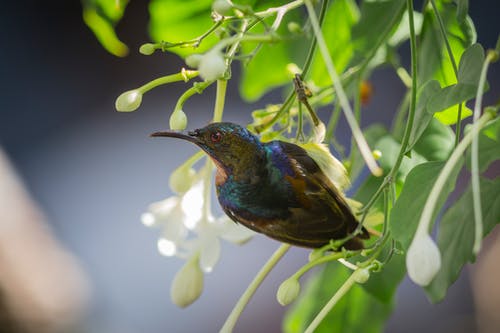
x,y
275,188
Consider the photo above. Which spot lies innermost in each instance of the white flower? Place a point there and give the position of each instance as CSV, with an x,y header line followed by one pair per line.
x,y
129,101
191,232
423,260
212,65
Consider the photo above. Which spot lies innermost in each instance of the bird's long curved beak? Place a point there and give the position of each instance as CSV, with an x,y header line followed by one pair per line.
x,y
189,136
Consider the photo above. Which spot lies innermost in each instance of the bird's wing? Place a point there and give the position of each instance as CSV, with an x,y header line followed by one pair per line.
x,y
321,213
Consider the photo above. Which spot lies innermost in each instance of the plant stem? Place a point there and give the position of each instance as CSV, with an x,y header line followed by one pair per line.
x,y
305,69
331,303
476,189
442,28
220,98
197,88
184,75
322,260
344,102
432,199
411,115
242,302
413,96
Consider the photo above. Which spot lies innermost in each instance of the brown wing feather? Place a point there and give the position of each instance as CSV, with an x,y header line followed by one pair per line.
x,y
323,214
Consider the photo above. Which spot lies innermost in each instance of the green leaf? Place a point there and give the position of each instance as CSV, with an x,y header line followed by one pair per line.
x,y
372,134
177,21
374,19
462,10
456,235
357,311
436,142
407,210
402,32
422,114
444,105
101,16
390,150
489,145
433,59
340,17
268,68
383,285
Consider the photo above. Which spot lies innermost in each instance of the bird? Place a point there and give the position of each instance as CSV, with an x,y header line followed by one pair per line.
x,y
275,188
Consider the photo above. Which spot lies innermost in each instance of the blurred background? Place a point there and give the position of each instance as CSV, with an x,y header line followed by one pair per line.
x,y
74,256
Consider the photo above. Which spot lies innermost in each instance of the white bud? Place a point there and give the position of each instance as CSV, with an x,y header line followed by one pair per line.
x,y
423,260
178,120
147,49
129,101
187,284
182,179
361,275
222,7
288,291
212,66
193,60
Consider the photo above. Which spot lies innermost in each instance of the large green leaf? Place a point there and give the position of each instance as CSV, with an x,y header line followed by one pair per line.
x,y
376,16
443,104
433,59
337,25
436,142
268,68
407,210
177,21
489,145
456,235
390,150
357,311
101,16
422,114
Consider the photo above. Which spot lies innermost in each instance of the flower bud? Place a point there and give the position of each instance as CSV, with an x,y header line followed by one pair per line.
x,y
181,179
193,60
147,49
212,66
178,120
288,291
377,154
361,275
187,284
129,101
423,260
294,27
222,7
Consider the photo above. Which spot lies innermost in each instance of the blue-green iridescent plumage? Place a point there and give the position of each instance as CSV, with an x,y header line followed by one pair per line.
x,y
274,188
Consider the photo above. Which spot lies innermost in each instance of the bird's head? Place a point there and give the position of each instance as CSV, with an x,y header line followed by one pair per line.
x,y
229,145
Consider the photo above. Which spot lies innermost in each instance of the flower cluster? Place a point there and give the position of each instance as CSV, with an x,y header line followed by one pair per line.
x,y
191,232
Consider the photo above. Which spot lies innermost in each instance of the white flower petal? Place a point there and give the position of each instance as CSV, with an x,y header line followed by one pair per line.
x,y
192,205
187,284
166,247
423,260
236,233
209,252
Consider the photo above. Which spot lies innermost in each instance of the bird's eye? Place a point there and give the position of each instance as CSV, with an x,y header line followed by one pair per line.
x,y
216,136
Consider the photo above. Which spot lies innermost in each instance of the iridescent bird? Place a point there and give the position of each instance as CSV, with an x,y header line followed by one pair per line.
x,y
275,188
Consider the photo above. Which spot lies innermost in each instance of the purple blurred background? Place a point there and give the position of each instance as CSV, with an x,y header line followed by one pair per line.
x,y
94,171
